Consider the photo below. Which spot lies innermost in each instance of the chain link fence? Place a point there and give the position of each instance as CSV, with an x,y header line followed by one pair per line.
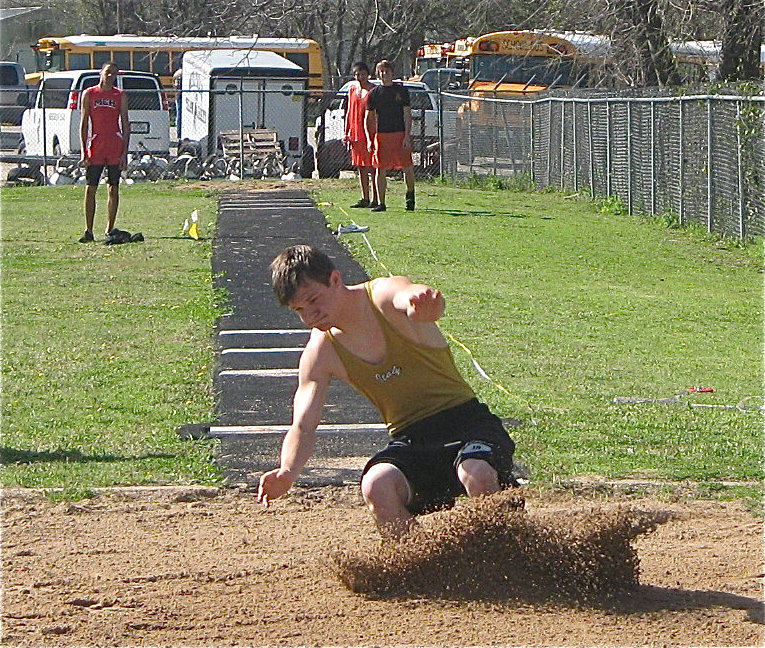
x,y
700,158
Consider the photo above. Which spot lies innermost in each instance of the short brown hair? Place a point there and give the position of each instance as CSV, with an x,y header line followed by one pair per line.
x,y
385,63
296,264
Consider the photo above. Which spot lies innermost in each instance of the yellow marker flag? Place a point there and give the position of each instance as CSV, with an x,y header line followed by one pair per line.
x,y
194,231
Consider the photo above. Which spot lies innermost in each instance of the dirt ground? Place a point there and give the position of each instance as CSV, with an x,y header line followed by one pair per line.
x,y
200,567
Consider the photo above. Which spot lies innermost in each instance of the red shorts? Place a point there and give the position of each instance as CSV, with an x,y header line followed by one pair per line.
x,y
360,155
390,153
104,149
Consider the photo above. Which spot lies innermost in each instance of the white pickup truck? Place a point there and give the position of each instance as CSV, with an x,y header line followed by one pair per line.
x,y
332,155
52,125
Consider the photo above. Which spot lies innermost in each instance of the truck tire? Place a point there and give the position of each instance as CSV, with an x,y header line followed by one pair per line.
x,y
307,162
329,159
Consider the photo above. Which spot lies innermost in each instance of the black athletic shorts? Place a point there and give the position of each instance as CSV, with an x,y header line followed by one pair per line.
x,y
429,451
93,174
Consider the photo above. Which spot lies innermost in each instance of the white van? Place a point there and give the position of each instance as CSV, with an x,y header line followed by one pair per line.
x,y
332,155
59,100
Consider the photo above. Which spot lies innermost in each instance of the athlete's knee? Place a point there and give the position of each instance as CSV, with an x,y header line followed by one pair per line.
x,y
384,487
478,477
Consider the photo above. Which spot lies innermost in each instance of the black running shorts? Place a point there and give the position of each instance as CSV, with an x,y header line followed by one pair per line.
x,y
428,452
93,174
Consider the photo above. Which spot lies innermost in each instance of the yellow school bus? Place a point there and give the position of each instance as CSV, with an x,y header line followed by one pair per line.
x,y
527,62
162,55
516,64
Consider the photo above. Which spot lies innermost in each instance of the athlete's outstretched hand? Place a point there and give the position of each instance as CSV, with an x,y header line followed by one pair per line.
x,y
426,304
273,485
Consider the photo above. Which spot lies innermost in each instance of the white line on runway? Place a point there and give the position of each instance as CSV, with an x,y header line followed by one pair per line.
x,y
220,430
282,207
263,331
260,373
266,350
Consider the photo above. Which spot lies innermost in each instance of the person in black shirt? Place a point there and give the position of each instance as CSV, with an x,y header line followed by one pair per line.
x,y
389,124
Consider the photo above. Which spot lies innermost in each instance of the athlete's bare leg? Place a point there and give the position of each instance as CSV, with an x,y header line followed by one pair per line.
x,y
90,206
381,181
478,477
112,205
367,178
386,492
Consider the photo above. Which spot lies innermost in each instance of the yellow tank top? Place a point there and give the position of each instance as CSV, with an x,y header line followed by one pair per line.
x,y
413,381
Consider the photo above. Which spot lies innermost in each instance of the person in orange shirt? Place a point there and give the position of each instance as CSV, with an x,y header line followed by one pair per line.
x,y
381,338
104,137
355,133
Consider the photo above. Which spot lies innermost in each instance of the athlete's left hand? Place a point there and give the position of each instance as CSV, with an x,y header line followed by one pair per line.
x,y
425,305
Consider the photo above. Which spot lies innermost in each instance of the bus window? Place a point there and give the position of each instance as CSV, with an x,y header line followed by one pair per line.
x,y
101,57
122,59
521,69
297,59
176,60
142,93
55,61
161,63
141,61
79,61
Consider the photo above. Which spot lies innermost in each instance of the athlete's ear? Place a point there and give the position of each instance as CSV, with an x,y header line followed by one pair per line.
x,y
335,279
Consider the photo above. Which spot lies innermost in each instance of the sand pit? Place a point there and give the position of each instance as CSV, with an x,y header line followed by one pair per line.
x,y
194,568
490,548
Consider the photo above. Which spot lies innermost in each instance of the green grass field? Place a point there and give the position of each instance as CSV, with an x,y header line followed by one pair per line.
x,y
107,350
567,307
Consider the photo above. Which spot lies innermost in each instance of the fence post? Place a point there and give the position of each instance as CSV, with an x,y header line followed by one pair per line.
x,y
629,157
441,143
549,140
531,141
709,165
653,156
680,172
576,148
740,170
608,148
562,143
592,149
241,129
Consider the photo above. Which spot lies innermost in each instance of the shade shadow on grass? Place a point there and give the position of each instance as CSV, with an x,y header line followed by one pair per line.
x,y
472,212
15,456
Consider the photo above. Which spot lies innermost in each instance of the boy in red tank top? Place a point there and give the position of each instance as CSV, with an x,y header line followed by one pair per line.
x,y
104,136
356,136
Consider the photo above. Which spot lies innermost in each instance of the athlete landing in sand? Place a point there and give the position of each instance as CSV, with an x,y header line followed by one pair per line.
x,y
381,337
